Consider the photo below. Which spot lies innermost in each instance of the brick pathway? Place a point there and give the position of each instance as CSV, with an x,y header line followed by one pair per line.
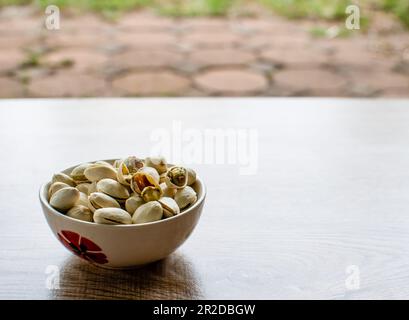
x,y
145,55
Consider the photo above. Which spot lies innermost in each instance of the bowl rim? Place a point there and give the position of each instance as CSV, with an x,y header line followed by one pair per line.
x,y
45,202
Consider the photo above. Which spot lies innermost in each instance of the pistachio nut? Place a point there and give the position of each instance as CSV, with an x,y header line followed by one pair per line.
x,y
112,216
77,173
176,177
185,197
65,198
92,188
148,212
123,175
159,163
116,163
55,187
105,163
62,177
84,187
141,180
127,168
152,172
83,200
81,213
151,193
167,192
191,176
101,191
133,203
98,200
97,172
162,178
133,164
170,207
113,188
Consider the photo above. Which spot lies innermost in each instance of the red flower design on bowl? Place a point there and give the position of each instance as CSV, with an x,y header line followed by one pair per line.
x,y
82,247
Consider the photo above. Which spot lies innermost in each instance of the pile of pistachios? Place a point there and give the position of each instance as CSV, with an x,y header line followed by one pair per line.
x,y
129,191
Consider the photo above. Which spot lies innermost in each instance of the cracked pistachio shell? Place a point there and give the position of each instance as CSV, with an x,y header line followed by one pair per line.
x,y
185,197
112,216
81,213
113,188
97,172
170,207
123,174
127,168
133,203
98,200
77,173
191,176
55,187
133,164
141,180
62,177
152,172
65,198
176,177
167,192
151,193
148,212
83,200
158,163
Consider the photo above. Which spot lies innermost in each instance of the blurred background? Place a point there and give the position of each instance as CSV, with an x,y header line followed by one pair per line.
x,y
204,48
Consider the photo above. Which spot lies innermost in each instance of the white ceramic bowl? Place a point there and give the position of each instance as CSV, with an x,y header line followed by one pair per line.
x,y
123,246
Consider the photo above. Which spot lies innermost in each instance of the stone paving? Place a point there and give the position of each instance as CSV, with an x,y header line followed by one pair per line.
x,y
142,54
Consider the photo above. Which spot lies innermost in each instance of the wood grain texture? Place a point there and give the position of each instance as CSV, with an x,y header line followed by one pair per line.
x,y
331,190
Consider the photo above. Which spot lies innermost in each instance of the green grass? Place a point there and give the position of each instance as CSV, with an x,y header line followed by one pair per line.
x,y
181,8
97,5
398,7
4,3
323,9
32,60
167,7
294,9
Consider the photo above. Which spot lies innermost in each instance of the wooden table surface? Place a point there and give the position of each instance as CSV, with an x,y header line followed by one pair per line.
x,y
330,196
